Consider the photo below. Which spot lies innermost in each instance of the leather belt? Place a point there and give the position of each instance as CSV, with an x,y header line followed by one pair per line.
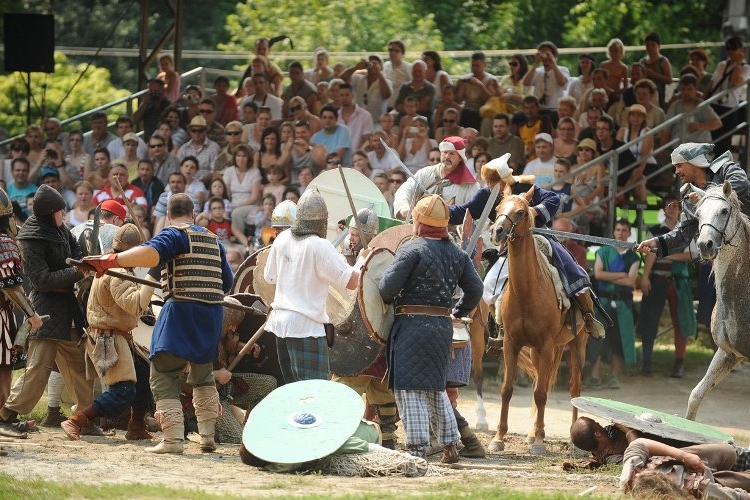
x,y
423,310
110,331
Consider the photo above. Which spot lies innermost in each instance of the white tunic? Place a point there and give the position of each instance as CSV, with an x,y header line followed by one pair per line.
x,y
302,269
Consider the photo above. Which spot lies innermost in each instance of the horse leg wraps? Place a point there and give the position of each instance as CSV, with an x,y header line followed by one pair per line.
x,y
206,404
387,415
169,415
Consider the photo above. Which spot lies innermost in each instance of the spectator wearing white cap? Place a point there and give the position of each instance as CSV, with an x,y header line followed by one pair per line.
x,y
692,164
543,166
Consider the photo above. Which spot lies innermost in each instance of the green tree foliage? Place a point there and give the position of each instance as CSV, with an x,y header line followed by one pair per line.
x,y
338,25
595,22
93,90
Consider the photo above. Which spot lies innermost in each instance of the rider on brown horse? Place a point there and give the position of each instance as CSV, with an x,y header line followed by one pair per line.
x,y
544,203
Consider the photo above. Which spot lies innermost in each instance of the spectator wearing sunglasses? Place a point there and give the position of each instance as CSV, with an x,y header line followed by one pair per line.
x,y
233,137
299,87
300,112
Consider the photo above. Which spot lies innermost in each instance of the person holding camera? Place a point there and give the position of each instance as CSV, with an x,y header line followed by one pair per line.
x,y
371,88
474,90
153,104
548,78
415,145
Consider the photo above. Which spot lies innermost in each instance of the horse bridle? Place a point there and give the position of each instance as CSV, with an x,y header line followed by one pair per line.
x,y
511,232
721,231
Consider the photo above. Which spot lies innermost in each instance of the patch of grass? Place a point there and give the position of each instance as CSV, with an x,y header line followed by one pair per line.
x,y
479,488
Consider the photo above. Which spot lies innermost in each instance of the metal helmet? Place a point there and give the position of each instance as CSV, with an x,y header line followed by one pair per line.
x,y
368,222
6,213
312,215
284,214
232,317
126,237
312,206
431,211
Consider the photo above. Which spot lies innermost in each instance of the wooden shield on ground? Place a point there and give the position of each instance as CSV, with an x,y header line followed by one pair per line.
x,y
302,421
365,194
376,314
652,422
393,237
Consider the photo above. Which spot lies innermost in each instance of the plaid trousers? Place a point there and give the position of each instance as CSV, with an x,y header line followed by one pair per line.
x,y
303,358
416,408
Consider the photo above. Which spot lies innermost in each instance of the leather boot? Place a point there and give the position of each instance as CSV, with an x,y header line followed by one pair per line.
x,y
75,424
450,454
586,303
54,417
137,425
472,447
169,415
206,404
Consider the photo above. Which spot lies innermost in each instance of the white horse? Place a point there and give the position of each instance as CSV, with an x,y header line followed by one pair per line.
x,y
724,238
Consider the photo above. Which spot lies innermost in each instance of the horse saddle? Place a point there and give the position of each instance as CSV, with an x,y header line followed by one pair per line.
x,y
545,248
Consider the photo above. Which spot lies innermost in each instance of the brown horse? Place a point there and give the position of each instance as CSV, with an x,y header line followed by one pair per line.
x,y
532,318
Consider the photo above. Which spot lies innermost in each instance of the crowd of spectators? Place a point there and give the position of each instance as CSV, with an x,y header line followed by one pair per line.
x,y
238,152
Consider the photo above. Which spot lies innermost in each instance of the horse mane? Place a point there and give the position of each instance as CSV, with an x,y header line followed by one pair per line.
x,y
720,265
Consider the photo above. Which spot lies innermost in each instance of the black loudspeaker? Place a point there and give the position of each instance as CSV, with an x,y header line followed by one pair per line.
x,y
29,43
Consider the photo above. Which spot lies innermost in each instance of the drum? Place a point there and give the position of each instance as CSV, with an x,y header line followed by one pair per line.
x,y
376,314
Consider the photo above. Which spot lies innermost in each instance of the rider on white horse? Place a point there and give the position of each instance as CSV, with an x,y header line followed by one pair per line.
x,y
692,165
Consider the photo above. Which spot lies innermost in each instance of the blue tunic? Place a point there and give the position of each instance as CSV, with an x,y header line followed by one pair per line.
x,y
187,329
546,203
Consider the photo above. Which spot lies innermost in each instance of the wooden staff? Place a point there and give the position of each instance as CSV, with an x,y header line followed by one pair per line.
x,y
246,348
154,284
116,184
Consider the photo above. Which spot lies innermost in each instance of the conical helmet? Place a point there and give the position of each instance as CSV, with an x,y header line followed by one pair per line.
x,y
284,214
312,206
127,237
368,222
312,215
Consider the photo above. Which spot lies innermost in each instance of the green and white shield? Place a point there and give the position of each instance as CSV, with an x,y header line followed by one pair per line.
x,y
303,421
652,422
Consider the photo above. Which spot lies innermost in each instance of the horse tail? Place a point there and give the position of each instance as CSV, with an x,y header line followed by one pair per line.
x,y
526,364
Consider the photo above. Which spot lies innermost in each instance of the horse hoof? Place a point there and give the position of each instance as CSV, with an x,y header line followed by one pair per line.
x,y
496,446
538,449
482,427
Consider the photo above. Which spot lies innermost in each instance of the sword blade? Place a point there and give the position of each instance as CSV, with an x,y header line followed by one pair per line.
x,y
483,219
585,237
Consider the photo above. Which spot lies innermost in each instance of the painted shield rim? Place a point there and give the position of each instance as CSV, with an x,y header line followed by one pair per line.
x,y
389,314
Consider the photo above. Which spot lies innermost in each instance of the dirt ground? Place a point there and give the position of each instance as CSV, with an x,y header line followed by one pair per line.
x,y
50,455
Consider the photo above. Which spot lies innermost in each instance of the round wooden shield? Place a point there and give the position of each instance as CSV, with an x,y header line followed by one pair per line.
x,y
302,421
243,277
393,237
652,422
264,289
365,194
354,350
376,314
